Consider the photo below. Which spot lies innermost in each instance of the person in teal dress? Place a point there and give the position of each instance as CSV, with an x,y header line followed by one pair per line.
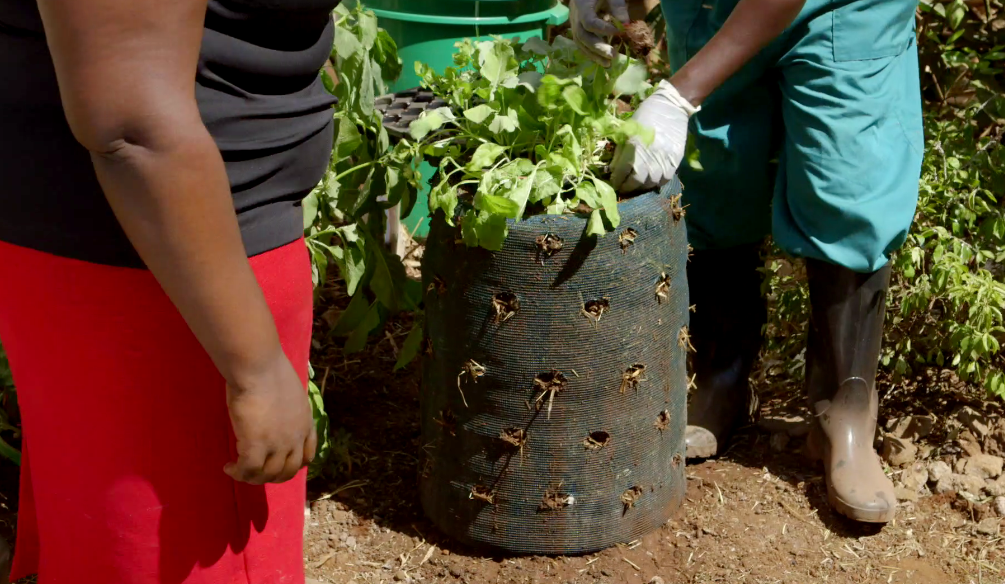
x,y
807,118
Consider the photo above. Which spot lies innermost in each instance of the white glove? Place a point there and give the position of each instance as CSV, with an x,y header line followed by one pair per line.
x,y
636,166
588,27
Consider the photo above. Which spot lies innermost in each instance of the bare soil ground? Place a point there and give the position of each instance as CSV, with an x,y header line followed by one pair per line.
x,y
759,514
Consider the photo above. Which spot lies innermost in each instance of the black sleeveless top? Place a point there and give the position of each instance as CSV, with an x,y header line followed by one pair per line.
x,y
258,91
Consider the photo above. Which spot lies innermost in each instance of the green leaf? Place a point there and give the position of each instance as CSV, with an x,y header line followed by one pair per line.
x,y
367,29
595,224
443,196
352,267
9,452
310,208
546,185
485,156
321,426
956,14
411,347
505,123
610,200
491,230
497,62
389,277
633,81
587,193
352,316
479,113
496,204
530,80
537,45
357,340
427,122
346,44
576,98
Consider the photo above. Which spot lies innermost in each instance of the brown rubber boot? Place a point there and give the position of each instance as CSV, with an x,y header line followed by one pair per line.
x,y
842,355
725,287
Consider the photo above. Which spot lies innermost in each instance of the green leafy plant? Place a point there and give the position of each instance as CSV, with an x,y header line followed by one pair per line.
x,y
528,129
344,216
947,297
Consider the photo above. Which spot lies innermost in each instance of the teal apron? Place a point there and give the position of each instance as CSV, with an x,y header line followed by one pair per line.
x,y
817,141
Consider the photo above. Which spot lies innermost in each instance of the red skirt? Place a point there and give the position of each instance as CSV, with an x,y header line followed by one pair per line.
x,y
126,430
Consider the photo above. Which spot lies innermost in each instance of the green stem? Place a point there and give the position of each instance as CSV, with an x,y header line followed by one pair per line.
x,y
355,168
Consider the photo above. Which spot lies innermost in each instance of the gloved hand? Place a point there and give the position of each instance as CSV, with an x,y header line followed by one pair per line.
x,y
588,27
637,166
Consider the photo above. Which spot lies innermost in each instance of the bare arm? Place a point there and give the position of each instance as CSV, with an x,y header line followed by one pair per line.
x,y
751,26
126,71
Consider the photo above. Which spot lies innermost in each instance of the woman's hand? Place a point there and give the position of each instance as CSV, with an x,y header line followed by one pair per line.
x,y
272,420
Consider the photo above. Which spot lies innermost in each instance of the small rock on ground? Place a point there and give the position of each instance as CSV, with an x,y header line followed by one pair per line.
x,y
937,470
898,451
911,427
984,466
977,422
906,494
989,526
656,580
915,477
959,483
995,488
1000,506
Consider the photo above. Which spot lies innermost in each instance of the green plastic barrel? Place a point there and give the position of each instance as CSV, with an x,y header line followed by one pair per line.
x,y
426,31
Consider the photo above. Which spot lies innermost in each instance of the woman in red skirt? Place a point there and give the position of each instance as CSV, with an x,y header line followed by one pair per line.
x,y
148,149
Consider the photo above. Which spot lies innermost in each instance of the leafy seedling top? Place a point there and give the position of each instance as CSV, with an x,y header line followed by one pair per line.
x,y
528,129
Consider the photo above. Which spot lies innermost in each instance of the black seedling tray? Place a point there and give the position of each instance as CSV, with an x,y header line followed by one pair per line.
x,y
402,108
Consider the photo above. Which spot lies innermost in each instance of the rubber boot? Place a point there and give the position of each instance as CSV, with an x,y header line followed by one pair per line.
x,y
725,289
842,354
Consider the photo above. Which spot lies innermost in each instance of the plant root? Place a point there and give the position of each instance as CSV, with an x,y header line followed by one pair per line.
x,y
684,340
595,309
632,376
630,497
548,384
663,288
548,245
473,370
505,306
627,239
555,500
597,440
448,422
663,421
515,437
485,494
